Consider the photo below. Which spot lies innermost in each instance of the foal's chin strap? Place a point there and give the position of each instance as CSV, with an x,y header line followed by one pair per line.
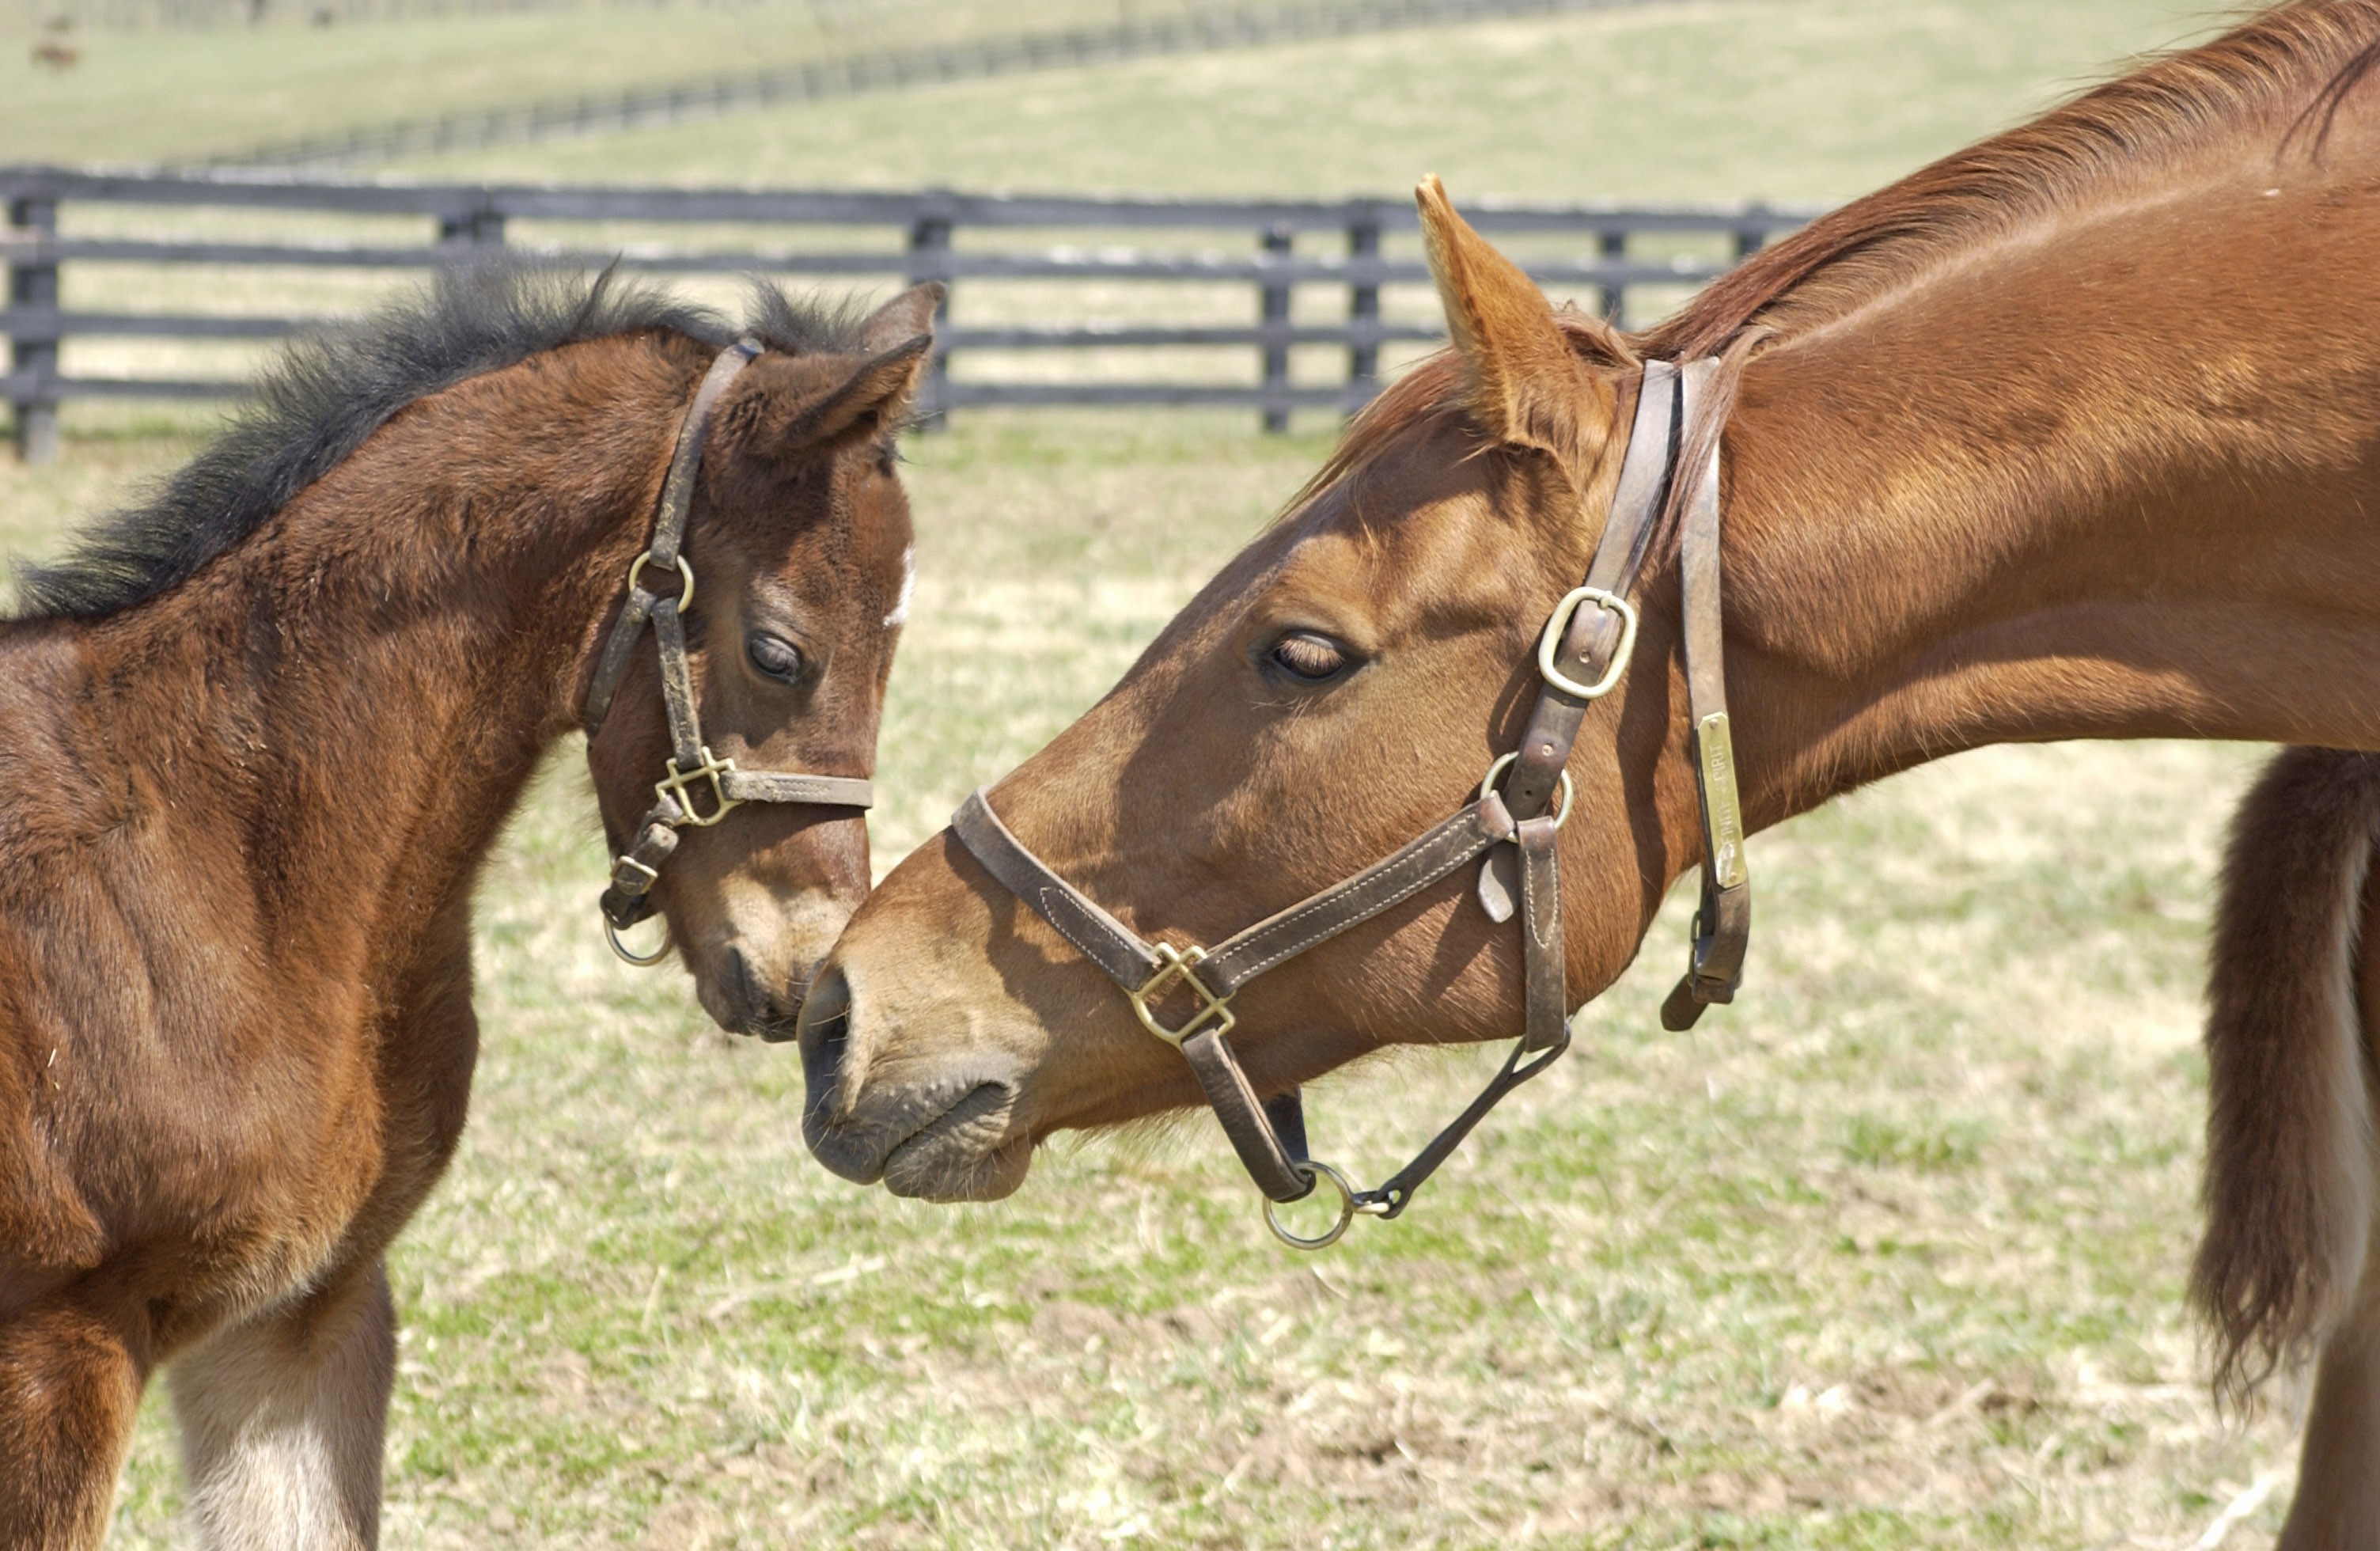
x,y
1583,653
691,771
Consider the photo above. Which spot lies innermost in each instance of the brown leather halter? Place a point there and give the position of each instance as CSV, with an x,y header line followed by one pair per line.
x,y
691,768
1582,655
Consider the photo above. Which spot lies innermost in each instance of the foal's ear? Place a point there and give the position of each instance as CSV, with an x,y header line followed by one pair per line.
x,y
785,407
901,319
1528,385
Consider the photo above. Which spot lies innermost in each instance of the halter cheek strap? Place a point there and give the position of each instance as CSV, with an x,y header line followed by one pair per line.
x,y
695,788
1583,653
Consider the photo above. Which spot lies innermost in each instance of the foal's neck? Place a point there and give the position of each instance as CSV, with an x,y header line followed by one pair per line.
x,y
2109,480
362,688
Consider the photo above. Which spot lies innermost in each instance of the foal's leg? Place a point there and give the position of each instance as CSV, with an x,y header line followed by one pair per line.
x,y
281,1421
68,1389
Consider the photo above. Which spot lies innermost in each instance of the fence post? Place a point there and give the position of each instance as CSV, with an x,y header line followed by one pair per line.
x,y
1273,297
480,226
33,287
1613,249
1363,309
929,259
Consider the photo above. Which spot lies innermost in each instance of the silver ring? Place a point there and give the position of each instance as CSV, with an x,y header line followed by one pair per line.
x,y
611,936
1505,762
1317,1171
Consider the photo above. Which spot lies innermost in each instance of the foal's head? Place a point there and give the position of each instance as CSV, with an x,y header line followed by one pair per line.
x,y
1339,688
800,545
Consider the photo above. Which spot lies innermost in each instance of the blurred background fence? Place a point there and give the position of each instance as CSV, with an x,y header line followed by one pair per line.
x,y
1272,305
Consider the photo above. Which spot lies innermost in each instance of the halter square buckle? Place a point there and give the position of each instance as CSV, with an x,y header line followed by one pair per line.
x,y
677,787
1178,967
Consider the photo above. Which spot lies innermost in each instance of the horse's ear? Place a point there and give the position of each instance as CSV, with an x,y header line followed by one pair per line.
x,y
783,406
1528,385
901,319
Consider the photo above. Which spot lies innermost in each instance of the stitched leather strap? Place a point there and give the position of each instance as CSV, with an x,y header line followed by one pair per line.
x,y
785,786
1247,1120
1545,1032
1239,959
659,578
1594,634
1255,1126
1129,960
1723,922
1098,936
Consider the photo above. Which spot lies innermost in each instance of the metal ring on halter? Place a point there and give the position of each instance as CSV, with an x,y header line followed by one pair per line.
x,y
1503,762
611,936
686,594
1317,1171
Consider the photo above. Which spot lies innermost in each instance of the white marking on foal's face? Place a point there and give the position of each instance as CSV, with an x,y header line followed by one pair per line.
x,y
900,614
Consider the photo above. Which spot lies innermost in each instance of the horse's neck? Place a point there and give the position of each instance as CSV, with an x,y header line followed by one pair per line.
x,y
361,691
2108,482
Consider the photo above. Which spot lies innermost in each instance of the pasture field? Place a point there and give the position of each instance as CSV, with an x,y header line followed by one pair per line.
x,y
175,94
1890,1255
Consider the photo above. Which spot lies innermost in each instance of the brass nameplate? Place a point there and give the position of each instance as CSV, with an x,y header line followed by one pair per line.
x,y
1722,813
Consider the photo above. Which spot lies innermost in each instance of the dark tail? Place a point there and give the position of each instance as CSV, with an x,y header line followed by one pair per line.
x,y
2290,1168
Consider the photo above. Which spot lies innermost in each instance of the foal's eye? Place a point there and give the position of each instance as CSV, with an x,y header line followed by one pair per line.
x,y
776,657
1301,654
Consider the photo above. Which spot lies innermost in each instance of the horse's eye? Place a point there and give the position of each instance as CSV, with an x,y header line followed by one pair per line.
x,y
1301,654
776,656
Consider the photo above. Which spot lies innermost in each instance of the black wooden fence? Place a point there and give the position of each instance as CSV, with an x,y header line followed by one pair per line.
x,y
1336,244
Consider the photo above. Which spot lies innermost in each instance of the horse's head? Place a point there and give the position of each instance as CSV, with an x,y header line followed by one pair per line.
x,y
1338,688
797,553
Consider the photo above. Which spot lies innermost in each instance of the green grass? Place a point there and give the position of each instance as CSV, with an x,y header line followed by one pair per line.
x,y
1694,100
1888,1255
177,95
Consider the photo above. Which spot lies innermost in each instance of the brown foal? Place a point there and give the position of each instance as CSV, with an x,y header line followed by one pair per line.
x,y
262,735
2074,434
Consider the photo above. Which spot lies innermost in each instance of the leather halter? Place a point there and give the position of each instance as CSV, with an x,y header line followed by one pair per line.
x,y
1583,653
696,788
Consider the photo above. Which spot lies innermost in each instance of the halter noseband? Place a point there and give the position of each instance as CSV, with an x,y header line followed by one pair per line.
x,y
692,774
1583,653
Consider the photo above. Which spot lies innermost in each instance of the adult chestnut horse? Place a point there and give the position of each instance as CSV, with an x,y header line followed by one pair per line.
x,y
262,732
2073,434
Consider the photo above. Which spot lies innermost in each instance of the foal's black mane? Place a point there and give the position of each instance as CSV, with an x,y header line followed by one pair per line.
x,y
331,389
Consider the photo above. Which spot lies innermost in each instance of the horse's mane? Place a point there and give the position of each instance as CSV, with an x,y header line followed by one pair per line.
x,y
2299,59
330,389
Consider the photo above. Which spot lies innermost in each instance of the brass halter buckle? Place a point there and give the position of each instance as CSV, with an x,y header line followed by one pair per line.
x,y
677,786
1177,966
1549,644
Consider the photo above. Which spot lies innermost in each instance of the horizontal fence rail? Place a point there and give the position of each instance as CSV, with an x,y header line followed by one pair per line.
x,y
921,232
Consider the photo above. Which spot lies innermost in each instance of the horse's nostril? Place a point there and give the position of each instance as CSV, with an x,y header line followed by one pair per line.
x,y
823,1028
